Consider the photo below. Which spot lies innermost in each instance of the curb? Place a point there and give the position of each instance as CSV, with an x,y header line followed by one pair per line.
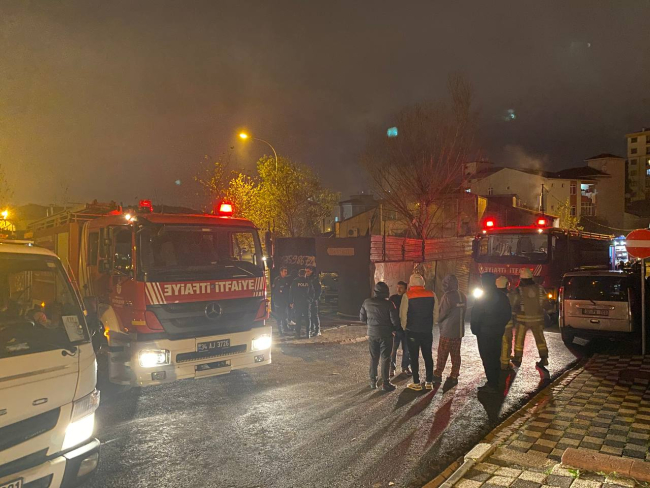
x,y
457,469
593,461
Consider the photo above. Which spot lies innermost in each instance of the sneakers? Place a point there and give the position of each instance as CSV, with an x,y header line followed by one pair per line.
x,y
428,385
451,382
388,387
437,380
373,384
414,386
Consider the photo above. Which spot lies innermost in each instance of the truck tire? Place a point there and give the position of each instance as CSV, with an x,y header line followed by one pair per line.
x,y
567,337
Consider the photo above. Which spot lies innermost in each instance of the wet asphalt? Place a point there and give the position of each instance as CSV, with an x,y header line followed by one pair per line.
x,y
307,420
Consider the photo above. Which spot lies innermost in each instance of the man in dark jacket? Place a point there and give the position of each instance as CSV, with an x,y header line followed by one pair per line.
x,y
381,316
451,318
302,295
490,315
280,299
400,336
314,321
417,316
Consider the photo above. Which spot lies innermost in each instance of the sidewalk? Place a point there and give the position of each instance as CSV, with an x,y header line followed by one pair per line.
x,y
602,407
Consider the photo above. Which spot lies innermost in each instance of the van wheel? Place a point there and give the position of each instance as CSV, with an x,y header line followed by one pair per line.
x,y
567,337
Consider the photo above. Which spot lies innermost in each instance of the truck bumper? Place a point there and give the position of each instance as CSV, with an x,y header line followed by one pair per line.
x,y
62,471
186,361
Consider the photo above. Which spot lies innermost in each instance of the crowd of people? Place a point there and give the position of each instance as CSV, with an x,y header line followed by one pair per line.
x,y
408,318
295,302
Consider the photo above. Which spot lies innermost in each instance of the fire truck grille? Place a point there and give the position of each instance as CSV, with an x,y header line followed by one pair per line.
x,y
216,353
22,431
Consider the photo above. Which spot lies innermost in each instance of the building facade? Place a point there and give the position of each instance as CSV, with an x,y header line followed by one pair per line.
x,y
638,164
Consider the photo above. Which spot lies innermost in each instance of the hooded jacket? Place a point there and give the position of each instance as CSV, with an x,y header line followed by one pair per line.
x,y
379,313
417,310
453,306
492,311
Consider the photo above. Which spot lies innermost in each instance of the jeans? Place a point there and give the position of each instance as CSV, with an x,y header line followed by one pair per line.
x,y
399,338
420,342
380,348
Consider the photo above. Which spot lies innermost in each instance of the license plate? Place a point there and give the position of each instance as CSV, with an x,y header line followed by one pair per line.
x,y
210,346
215,365
13,484
588,311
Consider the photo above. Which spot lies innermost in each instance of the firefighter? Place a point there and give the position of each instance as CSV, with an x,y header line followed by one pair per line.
x,y
529,302
314,321
302,294
281,299
503,285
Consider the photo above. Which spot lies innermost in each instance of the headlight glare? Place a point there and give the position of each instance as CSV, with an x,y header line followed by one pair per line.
x,y
477,292
261,343
150,358
79,431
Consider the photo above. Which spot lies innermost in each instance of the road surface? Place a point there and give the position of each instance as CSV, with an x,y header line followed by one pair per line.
x,y
308,420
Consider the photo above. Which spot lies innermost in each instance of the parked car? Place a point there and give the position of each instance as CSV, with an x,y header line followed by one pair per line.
x,y
598,304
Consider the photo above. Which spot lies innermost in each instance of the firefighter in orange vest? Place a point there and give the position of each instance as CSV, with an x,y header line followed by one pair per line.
x,y
529,302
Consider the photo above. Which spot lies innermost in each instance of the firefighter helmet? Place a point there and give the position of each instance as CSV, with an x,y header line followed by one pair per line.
x,y
526,274
502,282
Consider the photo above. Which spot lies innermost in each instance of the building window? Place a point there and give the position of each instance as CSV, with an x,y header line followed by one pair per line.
x,y
573,188
633,161
632,140
647,150
573,210
633,172
633,150
647,172
490,191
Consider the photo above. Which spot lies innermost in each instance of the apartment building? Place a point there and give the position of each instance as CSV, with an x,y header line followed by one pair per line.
x,y
638,164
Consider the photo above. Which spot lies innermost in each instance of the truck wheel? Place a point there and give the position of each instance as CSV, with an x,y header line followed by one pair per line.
x,y
567,337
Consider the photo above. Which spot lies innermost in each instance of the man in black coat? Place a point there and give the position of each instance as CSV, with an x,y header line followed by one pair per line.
x,y
314,319
383,321
280,299
490,315
400,336
302,295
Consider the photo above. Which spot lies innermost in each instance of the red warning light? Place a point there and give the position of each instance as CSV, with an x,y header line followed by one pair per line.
x,y
541,222
146,206
489,223
225,208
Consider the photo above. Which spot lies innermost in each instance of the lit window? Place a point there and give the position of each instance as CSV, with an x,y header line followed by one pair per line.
x,y
647,172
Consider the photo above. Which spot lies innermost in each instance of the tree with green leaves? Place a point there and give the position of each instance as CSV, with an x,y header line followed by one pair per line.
x,y
566,220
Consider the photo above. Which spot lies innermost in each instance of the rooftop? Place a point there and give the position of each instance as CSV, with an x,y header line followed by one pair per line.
x,y
604,156
581,172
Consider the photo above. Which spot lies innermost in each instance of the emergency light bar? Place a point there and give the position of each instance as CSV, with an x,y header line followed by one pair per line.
x,y
146,206
224,208
489,223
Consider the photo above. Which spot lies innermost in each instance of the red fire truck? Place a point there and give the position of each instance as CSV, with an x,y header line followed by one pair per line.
x,y
178,295
548,252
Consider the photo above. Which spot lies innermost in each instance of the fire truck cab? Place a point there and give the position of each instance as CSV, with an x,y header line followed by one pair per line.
x,y
177,296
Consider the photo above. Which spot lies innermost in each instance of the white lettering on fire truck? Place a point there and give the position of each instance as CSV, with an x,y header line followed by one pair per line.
x,y
202,288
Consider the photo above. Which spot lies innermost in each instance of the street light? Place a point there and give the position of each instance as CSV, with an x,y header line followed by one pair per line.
x,y
5,214
244,136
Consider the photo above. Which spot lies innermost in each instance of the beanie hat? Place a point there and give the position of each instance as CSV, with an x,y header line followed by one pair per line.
x,y
416,280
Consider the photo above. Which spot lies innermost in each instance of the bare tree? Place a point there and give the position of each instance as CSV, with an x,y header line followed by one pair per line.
x,y
414,170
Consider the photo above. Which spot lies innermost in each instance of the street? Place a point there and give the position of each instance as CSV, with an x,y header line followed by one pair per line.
x,y
309,419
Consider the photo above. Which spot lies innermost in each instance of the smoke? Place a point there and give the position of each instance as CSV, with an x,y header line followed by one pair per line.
x,y
518,157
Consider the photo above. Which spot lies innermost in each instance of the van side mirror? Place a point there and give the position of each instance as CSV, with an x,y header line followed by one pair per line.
x,y
91,305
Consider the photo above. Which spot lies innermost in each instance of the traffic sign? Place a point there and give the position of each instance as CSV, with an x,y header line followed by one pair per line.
x,y
637,243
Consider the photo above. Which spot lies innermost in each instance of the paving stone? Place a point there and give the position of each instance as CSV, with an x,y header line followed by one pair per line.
x,y
590,446
633,454
525,438
560,481
571,441
541,448
581,483
593,440
616,451
547,443
532,476
637,435
521,444
519,483
476,475
465,483
611,443
507,472
486,467
532,433
500,481
614,481
554,432
575,431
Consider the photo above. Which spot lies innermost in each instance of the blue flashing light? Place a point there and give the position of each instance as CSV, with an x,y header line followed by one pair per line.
x,y
392,132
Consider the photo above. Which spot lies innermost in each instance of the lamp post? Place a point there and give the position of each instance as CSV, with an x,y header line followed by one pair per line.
x,y
244,136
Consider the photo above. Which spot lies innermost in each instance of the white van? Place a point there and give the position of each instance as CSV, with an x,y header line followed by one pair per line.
x,y
48,374
597,303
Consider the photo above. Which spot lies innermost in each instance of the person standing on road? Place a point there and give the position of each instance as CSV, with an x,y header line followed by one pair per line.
x,y
314,321
451,318
503,285
280,299
417,317
399,337
302,295
490,315
383,321
528,303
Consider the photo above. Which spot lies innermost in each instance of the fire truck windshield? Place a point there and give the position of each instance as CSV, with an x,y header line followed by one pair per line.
x,y
516,248
180,251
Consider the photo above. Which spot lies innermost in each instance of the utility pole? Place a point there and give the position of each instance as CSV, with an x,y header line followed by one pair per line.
x,y
542,207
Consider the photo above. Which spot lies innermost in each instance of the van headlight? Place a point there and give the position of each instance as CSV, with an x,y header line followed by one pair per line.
x,y
150,358
477,292
261,343
82,422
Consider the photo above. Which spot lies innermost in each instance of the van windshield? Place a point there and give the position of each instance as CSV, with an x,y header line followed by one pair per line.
x,y
38,309
596,288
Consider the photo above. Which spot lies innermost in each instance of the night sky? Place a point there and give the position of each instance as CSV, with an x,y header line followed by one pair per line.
x,y
120,99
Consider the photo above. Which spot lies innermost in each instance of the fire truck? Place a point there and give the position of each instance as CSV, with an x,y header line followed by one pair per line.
x,y
176,295
547,251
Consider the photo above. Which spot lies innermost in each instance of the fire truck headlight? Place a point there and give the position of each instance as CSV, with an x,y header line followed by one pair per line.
x,y
261,343
550,296
477,293
150,358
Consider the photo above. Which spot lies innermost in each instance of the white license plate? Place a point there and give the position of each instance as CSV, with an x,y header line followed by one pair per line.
x,y
13,484
212,345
